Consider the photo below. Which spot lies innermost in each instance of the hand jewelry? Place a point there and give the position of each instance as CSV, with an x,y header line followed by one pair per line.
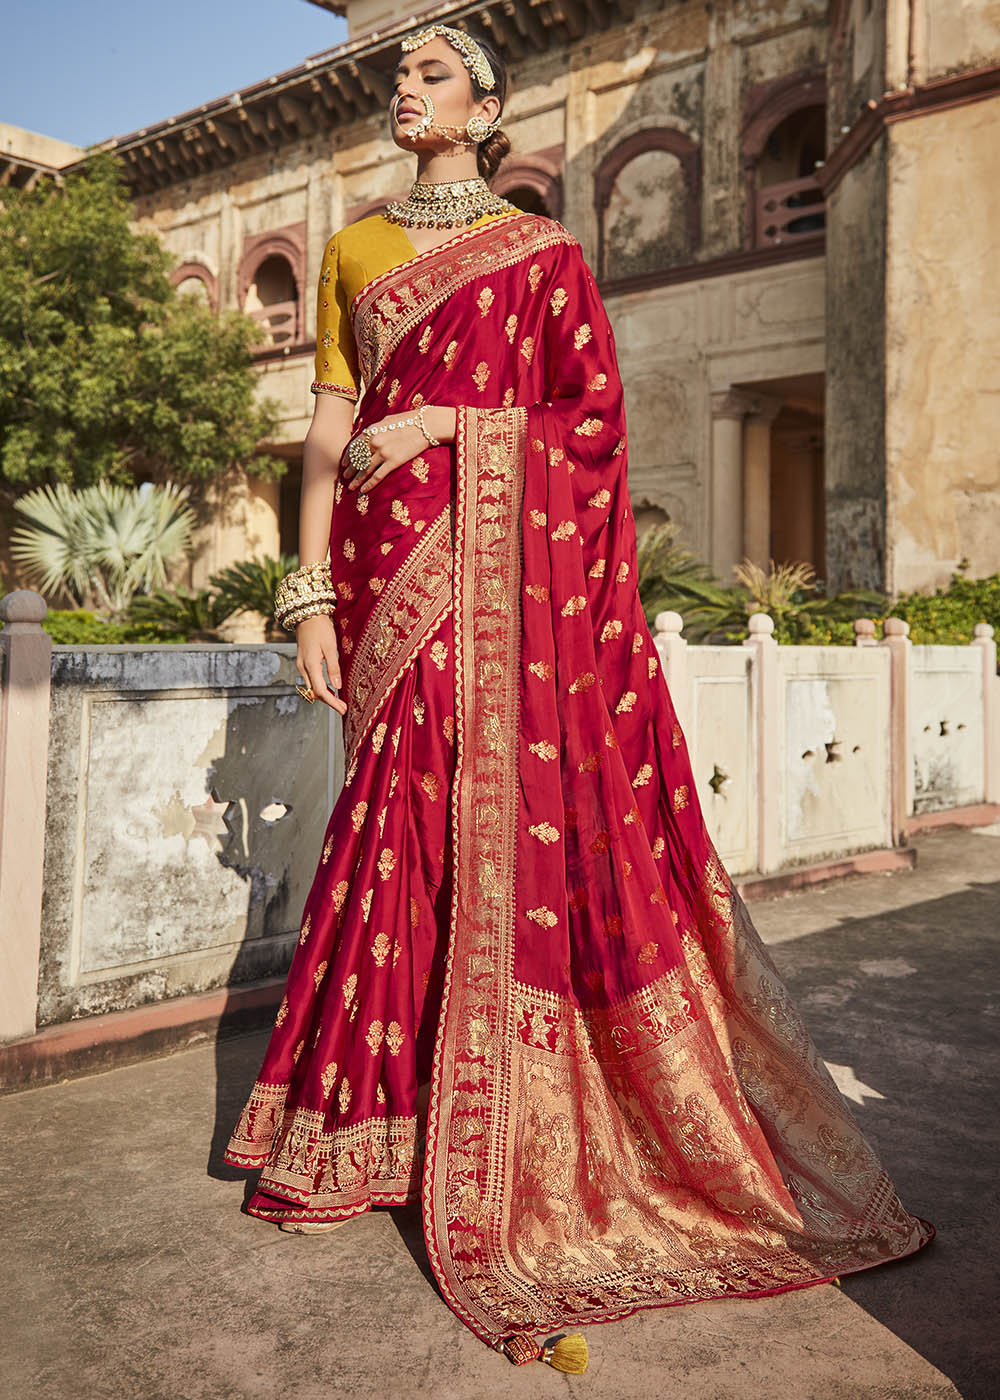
x,y
303,593
432,441
359,452
307,693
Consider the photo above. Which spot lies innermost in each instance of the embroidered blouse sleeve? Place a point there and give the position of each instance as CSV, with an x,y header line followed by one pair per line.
x,y
336,352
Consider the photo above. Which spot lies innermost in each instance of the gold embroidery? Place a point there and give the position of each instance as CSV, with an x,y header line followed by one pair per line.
x,y
538,518
538,591
558,300
556,455
510,328
298,1052
282,1013
339,894
344,1095
543,916
431,785
619,447
345,590
590,427
379,1094
652,665
676,736
376,585
598,382
643,776
328,1077
611,629
380,949
541,669
349,988
439,654
600,499
419,468
545,832
399,512
528,349
582,682
637,643
573,605
386,863
426,335
484,301
581,336
596,569
361,501
508,397
680,798
481,375
626,703
320,973
305,930
564,530
358,815
327,849
590,763
544,750
419,710
450,352
394,1037
381,820
534,276
348,549
659,846
448,728
374,1035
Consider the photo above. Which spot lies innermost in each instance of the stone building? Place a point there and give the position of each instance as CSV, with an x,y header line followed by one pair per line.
x,y
793,211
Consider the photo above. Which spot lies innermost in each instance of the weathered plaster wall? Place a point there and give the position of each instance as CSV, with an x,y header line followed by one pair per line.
x,y
188,793
956,34
943,346
855,375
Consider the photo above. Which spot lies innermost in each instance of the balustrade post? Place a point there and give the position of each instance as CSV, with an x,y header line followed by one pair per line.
x,y
864,632
896,638
767,726
986,642
25,678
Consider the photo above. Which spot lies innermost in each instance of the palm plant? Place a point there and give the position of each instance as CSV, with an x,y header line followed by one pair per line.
x,y
250,586
671,578
180,613
103,543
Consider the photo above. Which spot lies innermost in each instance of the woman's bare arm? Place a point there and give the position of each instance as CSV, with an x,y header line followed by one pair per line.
x,y
325,441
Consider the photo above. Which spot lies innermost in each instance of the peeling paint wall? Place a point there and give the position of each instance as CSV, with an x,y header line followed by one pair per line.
x,y
942,435
188,793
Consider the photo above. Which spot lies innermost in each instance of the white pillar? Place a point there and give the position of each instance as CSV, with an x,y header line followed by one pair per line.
x,y
895,637
673,650
729,408
984,639
768,727
26,660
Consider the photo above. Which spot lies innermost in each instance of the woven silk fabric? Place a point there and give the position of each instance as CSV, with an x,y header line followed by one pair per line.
x,y
517,897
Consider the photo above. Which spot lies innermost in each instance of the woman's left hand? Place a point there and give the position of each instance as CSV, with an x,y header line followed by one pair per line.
x,y
393,449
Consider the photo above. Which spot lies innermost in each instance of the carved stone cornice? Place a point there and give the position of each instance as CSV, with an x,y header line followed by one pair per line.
x,y
346,84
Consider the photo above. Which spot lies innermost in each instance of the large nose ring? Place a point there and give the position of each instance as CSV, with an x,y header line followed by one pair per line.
x,y
422,126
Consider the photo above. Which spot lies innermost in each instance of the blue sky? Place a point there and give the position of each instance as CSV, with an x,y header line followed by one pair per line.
x,y
84,70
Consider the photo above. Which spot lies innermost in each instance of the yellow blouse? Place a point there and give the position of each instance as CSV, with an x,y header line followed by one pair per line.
x,y
353,257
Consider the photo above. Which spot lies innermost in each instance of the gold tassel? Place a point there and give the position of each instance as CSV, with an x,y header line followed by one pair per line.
x,y
566,1353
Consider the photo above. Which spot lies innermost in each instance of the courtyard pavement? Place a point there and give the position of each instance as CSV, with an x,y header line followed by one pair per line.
x,y
131,1273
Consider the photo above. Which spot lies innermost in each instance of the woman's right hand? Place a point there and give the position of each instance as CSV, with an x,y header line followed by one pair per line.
x,y
317,642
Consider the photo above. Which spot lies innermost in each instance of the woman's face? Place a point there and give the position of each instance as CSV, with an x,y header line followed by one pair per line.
x,y
434,70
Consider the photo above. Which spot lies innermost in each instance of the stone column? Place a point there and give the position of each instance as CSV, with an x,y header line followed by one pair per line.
x,y
26,661
757,480
984,640
725,510
895,637
767,727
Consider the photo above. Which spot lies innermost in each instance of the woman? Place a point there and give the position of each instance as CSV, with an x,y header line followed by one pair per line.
x,y
518,911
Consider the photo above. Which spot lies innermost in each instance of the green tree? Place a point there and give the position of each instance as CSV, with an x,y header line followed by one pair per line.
x,y
106,373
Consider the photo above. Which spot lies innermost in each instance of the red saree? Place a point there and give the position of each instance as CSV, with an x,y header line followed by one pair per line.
x,y
517,897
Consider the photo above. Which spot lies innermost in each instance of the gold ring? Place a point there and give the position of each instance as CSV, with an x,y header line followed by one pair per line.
x,y
359,452
307,693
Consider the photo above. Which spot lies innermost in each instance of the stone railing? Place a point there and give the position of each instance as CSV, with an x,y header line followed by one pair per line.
x,y
804,753
162,809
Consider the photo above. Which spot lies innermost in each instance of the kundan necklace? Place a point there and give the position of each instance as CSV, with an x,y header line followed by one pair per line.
x,y
446,203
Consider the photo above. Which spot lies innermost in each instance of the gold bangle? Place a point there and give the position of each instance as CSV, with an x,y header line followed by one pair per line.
x,y
432,441
305,592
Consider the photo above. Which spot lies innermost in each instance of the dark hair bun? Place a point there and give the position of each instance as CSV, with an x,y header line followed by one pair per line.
x,y
491,152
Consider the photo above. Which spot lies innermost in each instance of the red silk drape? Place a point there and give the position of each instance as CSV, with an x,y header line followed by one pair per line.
x,y
626,1109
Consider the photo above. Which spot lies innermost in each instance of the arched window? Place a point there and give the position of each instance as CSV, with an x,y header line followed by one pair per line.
x,y
273,299
270,286
533,182
647,194
784,135
194,279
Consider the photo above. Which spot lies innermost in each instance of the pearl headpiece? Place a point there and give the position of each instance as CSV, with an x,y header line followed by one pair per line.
x,y
466,48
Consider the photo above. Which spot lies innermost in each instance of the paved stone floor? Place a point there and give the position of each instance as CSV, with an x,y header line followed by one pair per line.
x,y
130,1272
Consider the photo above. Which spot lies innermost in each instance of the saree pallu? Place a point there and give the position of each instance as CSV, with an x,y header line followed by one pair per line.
x,y
518,897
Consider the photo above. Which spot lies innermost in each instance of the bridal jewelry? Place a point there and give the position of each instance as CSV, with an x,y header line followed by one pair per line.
x,y
431,440
359,452
464,45
303,593
446,204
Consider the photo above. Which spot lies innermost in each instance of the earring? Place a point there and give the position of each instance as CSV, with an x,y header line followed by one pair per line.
x,y
477,128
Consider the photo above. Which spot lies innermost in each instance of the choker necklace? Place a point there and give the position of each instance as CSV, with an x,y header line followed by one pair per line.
x,y
446,203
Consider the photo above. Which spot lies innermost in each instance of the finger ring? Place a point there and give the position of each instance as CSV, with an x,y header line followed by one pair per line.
x,y
359,453
307,693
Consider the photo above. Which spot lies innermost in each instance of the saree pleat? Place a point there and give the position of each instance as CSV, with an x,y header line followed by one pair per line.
x,y
518,897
